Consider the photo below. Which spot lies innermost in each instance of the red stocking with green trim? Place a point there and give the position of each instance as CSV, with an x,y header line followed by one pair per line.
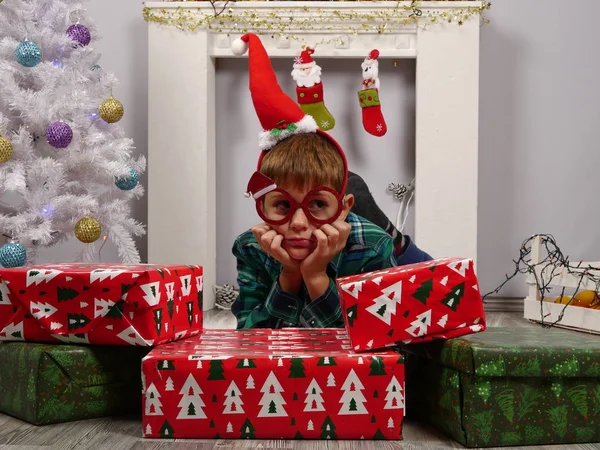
x,y
368,97
372,118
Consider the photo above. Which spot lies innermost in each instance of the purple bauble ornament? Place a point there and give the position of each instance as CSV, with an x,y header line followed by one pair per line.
x,y
59,134
80,34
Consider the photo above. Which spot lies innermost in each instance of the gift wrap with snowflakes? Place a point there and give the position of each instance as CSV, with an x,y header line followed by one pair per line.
x,y
272,384
53,383
143,305
507,387
437,299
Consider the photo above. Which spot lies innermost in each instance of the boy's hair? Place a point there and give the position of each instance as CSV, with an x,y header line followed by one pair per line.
x,y
304,160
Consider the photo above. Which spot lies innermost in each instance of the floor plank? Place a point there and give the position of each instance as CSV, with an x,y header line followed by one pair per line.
x,y
124,433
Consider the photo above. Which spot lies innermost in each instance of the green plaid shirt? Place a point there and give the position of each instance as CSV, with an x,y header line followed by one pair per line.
x,y
263,304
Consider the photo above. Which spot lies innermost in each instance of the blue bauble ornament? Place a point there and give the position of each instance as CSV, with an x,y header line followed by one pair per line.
x,y
28,54
12,255
129,182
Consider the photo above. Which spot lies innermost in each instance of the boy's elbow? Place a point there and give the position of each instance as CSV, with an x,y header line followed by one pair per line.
x,y
411,254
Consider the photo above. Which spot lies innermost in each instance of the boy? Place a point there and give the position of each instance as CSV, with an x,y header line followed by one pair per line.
x,y
287,265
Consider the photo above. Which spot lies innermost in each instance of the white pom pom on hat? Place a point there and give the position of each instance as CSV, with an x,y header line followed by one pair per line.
x,y
240,46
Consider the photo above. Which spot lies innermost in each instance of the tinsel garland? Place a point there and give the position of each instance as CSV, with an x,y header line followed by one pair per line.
x,y
284,22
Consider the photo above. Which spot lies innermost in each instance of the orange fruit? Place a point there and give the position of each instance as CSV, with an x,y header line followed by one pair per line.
x,y
563,300
585,298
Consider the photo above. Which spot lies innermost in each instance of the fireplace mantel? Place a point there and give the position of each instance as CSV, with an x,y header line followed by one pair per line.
x,y
444,40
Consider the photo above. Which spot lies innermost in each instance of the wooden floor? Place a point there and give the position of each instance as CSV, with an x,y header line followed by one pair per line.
x,y
125,433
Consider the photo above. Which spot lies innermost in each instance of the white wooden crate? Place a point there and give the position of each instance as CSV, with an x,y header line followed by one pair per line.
x,y
546,311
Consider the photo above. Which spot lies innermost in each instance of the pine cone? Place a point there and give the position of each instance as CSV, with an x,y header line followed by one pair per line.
x,y
225,296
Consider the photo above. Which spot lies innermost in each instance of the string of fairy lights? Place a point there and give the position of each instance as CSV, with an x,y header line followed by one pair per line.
x,y
552,263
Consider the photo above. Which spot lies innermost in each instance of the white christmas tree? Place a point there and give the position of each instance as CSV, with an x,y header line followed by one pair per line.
x,y
353,288
384,306
394,398
169,386
390,423
148,430
229,428
233,401
250,382
191,402
272,401
330,380
353,401
442,322
314,400
310,426
66,167
153,404
420,324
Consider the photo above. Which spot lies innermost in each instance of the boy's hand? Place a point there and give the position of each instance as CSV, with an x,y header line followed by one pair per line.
x,y
331,239
270,241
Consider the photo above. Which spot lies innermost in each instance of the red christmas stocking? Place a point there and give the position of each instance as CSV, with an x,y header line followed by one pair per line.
x,y
311,102
372,117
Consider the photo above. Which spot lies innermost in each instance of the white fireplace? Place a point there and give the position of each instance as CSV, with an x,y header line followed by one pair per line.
x,y
443,37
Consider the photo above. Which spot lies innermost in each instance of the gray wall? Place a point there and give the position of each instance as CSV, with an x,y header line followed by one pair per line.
x,y
540,127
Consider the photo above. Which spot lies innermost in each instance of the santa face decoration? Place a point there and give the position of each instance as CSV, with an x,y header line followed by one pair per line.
x,y
306,75
276,206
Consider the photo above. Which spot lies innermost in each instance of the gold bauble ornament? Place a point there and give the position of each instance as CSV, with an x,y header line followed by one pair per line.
x,y
88,230
6,150
111,110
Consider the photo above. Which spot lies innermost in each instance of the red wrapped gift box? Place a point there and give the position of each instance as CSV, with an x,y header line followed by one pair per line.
x,y
107,304
413,303
272,384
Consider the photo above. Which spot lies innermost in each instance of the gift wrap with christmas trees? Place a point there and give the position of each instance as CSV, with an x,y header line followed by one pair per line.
x,y
272,384
50,383
437,299
108,304
508,387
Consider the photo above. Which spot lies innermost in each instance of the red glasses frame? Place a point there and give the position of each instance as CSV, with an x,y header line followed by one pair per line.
x,y
294,205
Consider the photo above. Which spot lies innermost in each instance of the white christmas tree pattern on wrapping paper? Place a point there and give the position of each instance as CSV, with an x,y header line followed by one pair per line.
x,y
69,158
314,399
191,402
36,276
353,399
233,401
420,325
272,401
41,310
460,267
385,305
4,294
331,380
354,288
153,403
394,398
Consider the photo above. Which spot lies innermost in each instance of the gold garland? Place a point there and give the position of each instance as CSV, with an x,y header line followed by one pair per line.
x,y
280,23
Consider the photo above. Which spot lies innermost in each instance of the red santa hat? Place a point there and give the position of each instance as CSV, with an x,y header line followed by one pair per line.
x,y
304,60
259,185
279,115
372,57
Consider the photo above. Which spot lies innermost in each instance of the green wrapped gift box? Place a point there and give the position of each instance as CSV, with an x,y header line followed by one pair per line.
x,y
45,383
506,387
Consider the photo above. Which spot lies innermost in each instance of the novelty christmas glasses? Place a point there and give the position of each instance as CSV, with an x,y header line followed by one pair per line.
x,y
321,205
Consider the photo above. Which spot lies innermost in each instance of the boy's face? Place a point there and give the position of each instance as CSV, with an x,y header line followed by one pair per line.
x,y
298,238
